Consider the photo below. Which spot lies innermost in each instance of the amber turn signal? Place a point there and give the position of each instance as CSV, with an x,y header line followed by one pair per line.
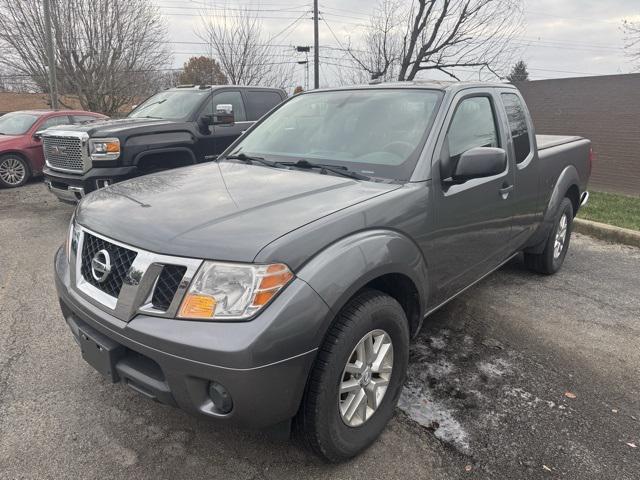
x,y
198,306
113,147
276,277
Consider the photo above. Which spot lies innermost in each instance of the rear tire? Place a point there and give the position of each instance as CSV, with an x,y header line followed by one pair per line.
x,y
552,257
338,426
14,171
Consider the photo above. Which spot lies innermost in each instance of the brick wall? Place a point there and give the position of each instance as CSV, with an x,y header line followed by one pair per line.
x,y
12,101
605,109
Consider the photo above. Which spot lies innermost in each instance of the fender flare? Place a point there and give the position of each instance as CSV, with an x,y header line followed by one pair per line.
x,y
568,178
162,151
343,268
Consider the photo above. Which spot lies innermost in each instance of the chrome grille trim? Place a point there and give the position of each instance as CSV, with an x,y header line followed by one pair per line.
x,y
66,151
139,285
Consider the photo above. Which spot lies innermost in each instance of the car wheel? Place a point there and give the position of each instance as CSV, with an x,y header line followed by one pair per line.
x,y
357,378
555,250
14,171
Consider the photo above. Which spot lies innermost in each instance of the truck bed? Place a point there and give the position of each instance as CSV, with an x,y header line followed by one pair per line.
x,y
549,141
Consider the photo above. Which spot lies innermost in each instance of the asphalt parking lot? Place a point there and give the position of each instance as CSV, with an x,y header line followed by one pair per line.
x,y
523,376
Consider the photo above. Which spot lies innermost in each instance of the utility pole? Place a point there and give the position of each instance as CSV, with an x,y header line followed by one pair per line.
x,y
316,47
51,58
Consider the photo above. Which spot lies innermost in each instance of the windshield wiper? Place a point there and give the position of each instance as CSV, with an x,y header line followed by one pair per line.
x,y
144,107
251,159
336,169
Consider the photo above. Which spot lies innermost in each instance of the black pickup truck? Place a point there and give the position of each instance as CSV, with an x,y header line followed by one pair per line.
x,y
284,280
171,129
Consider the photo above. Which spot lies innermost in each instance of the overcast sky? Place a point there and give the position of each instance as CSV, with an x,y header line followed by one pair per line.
x,y
560,38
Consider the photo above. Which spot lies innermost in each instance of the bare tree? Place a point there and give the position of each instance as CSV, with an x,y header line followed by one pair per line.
x,y
632,37
380,53
244,53
441,35
107,52
12,81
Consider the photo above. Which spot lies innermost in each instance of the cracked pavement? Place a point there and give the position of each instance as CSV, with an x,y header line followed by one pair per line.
x,y
485,395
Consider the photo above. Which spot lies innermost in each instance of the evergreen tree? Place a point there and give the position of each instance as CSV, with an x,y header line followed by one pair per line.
x,y
518,73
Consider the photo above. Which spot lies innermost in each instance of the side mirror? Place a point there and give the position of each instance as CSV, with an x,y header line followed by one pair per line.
x,y
478,162
224,114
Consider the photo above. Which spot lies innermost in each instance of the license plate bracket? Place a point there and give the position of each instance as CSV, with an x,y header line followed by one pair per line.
x,y
100,352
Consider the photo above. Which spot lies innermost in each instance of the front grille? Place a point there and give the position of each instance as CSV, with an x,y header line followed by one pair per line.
x,y
121,260
167,285
63,153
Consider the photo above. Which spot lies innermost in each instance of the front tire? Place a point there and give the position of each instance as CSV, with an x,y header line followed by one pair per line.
x,y
14,171
357,378
552,257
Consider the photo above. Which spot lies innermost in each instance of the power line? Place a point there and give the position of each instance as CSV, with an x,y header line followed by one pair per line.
x,y
545,14
291,25
225,9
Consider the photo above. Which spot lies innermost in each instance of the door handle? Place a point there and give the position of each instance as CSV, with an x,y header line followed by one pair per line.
x,y
505,190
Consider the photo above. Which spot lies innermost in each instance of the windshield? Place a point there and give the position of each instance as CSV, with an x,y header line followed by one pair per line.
x,y
16,123
375,132
170,105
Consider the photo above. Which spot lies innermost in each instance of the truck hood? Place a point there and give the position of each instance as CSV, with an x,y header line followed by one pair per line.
x,y
104,128
220,211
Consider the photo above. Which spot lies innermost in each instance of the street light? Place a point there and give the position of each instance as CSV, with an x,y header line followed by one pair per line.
x,y
305,50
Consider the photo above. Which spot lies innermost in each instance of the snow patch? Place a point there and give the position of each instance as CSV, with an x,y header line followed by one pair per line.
x,y
495,368
439,369
438,343
420,406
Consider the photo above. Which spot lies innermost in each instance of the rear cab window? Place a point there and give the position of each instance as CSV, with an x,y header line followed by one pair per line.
x,y
517,125
260,102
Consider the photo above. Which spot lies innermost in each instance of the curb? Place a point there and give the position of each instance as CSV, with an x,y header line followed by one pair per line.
x,y
607,232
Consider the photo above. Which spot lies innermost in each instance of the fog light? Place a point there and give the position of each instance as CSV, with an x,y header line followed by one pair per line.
x,y
220,397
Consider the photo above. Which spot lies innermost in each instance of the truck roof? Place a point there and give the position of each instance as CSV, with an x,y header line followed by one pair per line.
x,y
215,87
427,84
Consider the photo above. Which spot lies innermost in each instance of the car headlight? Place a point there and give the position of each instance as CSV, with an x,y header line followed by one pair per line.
x,y
232,291
71,242
104,148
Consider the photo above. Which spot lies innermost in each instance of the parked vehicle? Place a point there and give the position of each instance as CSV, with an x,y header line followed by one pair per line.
x,y
20,144
170,129
285,280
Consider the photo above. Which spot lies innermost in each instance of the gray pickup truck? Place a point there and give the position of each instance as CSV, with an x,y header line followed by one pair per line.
x,y
280,285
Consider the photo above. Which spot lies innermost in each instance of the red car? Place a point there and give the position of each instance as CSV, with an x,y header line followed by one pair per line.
x,y
21,155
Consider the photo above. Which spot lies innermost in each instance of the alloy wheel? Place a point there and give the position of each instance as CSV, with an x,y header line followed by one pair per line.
x,y
365,378
12,171
561,236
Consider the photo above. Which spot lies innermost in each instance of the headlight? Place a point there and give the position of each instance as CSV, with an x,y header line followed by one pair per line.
x,y
104,148
71,242
232,291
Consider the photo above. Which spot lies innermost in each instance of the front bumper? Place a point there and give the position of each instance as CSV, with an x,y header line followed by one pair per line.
x,y
174,361
70,187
